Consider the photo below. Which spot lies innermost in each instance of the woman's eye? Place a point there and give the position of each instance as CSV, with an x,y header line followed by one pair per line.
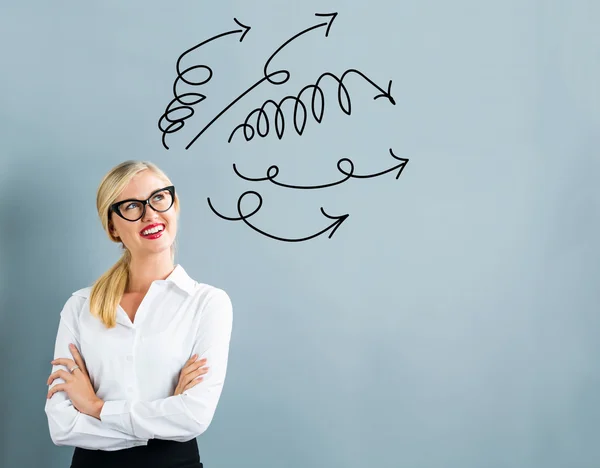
x,y
159,197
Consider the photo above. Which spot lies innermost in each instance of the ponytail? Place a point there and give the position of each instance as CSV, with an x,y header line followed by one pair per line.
x,y
108,290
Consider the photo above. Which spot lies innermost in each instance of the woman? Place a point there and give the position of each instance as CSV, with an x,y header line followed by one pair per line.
x,y
141,356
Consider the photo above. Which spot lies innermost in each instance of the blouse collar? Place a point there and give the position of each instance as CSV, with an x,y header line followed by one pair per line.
x,y
182,280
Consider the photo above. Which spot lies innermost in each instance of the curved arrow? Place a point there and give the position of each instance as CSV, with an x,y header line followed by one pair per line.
x,y
245,29
332,227
317,106
176,124
273,172
294,37
267,76
400,166
383,93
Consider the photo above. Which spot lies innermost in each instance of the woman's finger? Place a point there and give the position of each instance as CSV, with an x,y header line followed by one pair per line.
x,y
190,363
68,363
190,360
192,384
78,358
195,365
60,374
191,377
56,388
185,375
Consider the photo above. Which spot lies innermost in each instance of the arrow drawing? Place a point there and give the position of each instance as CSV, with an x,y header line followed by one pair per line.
x,y
286,73
317,107
273,172
338,220
267,76
175,124
260,120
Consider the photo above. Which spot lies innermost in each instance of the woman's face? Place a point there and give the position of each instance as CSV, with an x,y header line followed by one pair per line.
x,y
134,234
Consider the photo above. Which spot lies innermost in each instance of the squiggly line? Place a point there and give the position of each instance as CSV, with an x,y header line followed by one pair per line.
x,y
175,123
268,76
317,108
332,227
273,172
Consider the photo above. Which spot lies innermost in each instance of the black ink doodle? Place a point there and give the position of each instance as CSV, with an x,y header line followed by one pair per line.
x,y
285,72
176,123
345,105
332,227
268,76
273,172
182,105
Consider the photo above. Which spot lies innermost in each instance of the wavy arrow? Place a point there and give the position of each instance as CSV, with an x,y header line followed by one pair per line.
x,y
267,76
176,124
317,107
273,172
332,227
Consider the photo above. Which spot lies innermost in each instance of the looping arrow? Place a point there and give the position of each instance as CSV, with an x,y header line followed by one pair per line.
x,y
338,220
172,115
317,107
273,172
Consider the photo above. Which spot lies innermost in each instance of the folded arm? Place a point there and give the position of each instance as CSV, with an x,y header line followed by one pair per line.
x,y
187,415
67,425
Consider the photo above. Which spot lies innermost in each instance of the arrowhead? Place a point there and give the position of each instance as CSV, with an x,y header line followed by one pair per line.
x,y
400,166
246,29
337,223
387,94
333,16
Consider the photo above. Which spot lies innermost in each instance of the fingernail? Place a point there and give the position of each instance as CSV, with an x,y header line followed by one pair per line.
x,y
71,345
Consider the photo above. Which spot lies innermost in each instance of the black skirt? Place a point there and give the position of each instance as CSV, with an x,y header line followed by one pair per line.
x,y
157,454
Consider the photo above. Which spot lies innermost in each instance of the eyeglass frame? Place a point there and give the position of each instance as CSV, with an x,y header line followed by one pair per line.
x,y
114,208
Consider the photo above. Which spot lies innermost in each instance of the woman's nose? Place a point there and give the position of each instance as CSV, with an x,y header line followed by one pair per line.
x,y
150,214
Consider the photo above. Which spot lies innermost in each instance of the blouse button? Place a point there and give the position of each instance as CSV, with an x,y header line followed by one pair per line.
x,y
130,358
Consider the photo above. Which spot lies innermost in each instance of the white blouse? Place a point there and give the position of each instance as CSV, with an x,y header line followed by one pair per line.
x,y
135,367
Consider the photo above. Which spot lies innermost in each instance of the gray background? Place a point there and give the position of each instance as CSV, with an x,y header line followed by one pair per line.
x,y
451,321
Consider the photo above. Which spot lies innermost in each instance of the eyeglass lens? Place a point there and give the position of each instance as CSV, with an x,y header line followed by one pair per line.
x,y
160,201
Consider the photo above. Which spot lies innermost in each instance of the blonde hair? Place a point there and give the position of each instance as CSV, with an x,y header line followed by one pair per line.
x,y
108,290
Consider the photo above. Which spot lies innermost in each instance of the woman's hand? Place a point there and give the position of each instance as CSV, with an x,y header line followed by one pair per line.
x,y
189,375
77,385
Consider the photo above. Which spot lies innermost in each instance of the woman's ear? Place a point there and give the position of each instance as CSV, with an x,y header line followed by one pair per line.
x,y
112,230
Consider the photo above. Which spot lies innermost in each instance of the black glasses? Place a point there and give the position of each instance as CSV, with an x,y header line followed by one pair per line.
x,y
131,210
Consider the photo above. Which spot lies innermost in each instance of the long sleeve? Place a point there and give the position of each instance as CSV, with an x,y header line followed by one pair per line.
x,y
185,416
67,425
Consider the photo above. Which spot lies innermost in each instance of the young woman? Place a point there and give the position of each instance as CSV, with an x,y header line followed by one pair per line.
x,y
140,356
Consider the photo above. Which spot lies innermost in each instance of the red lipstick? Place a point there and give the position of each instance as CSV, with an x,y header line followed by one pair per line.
x,y
155,235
